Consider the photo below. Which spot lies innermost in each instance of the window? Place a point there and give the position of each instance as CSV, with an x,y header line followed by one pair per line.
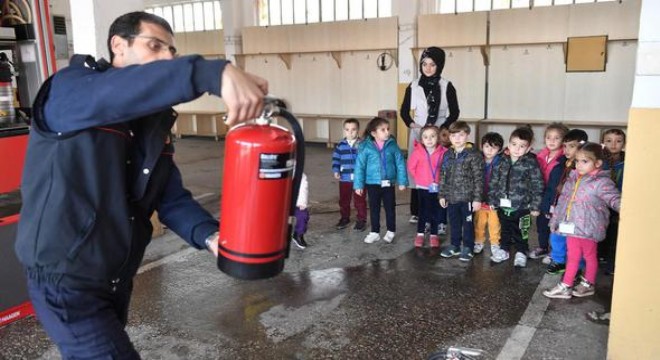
x,y
278,12
457,6
191,15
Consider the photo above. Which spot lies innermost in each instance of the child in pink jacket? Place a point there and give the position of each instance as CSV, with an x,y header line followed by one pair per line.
x,y
424,167
582,214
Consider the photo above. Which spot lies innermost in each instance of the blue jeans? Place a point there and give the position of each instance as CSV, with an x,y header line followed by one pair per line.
x,y
558,245
84,324
461,224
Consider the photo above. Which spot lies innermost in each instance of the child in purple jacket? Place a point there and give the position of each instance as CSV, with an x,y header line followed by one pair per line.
x,y
582,215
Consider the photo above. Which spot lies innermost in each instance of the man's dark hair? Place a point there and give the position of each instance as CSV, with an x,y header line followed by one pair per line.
x,y
493,139
352,121
128,25
578,135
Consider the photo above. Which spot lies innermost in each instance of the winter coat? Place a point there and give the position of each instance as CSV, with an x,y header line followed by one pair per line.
x,y
420,168
462,177
489,171
343,159
545,165
596,192
369,164
558,177
525,183
100,161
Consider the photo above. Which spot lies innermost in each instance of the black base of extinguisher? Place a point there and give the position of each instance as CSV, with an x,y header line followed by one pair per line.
x,y
245,271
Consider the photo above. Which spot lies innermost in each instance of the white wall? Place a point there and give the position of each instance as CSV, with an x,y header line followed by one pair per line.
x,y
315,85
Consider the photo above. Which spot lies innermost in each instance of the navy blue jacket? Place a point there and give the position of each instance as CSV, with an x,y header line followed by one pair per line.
x,y
100,161
558,176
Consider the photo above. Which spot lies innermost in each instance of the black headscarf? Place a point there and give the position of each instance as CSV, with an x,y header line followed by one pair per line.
x,y
431,84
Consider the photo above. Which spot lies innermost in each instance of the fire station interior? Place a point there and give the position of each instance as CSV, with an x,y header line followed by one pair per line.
x,y
590,64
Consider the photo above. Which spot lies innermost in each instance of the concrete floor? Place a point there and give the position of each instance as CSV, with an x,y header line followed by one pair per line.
x,y
338,299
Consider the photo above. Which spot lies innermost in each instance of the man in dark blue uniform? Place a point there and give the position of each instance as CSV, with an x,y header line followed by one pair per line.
x,y
99,163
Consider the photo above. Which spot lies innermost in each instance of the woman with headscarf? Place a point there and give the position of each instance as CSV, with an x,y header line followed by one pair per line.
x,y
433,101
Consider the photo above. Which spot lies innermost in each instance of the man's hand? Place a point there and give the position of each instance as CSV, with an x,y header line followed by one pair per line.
x,y
337,176
243,93
359,192
443,203
476,205
535,213
212,244
402,187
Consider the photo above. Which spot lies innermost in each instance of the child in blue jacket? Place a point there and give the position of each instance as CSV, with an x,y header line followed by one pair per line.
x,y
379,166
343,168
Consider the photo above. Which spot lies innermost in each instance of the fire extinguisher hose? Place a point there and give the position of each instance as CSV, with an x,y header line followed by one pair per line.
x,y
300,164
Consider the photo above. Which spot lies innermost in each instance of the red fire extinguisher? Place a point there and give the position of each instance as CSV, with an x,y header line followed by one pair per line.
x,y
262,172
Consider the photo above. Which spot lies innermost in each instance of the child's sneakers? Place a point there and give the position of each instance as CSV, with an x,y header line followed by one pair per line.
x,y
434,242
583,289
556,268
360,225
450,251
547,260
560,291
372,237
466,254
442,229
413,219
419,240
478,248
342,224
299,240
520,260
389,236
494,249
538,253
499,256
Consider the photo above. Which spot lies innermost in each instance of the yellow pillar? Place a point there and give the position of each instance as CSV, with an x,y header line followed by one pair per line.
x,y
635,323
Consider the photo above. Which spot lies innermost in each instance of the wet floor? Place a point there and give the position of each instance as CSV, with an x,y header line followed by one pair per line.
x,y
402,308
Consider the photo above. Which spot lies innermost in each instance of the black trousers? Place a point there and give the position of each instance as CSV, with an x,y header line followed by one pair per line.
x,y
607,247
377,194
515,229
543,229
414,202
429,210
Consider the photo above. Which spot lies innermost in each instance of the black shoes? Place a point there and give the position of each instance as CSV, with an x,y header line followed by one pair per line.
x,y
299,241
342,224
360,225
556,268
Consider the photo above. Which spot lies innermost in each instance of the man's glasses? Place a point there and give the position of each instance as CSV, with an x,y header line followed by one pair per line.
x,y
155,44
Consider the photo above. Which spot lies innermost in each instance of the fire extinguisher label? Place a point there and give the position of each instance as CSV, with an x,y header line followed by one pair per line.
x,y
276,166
